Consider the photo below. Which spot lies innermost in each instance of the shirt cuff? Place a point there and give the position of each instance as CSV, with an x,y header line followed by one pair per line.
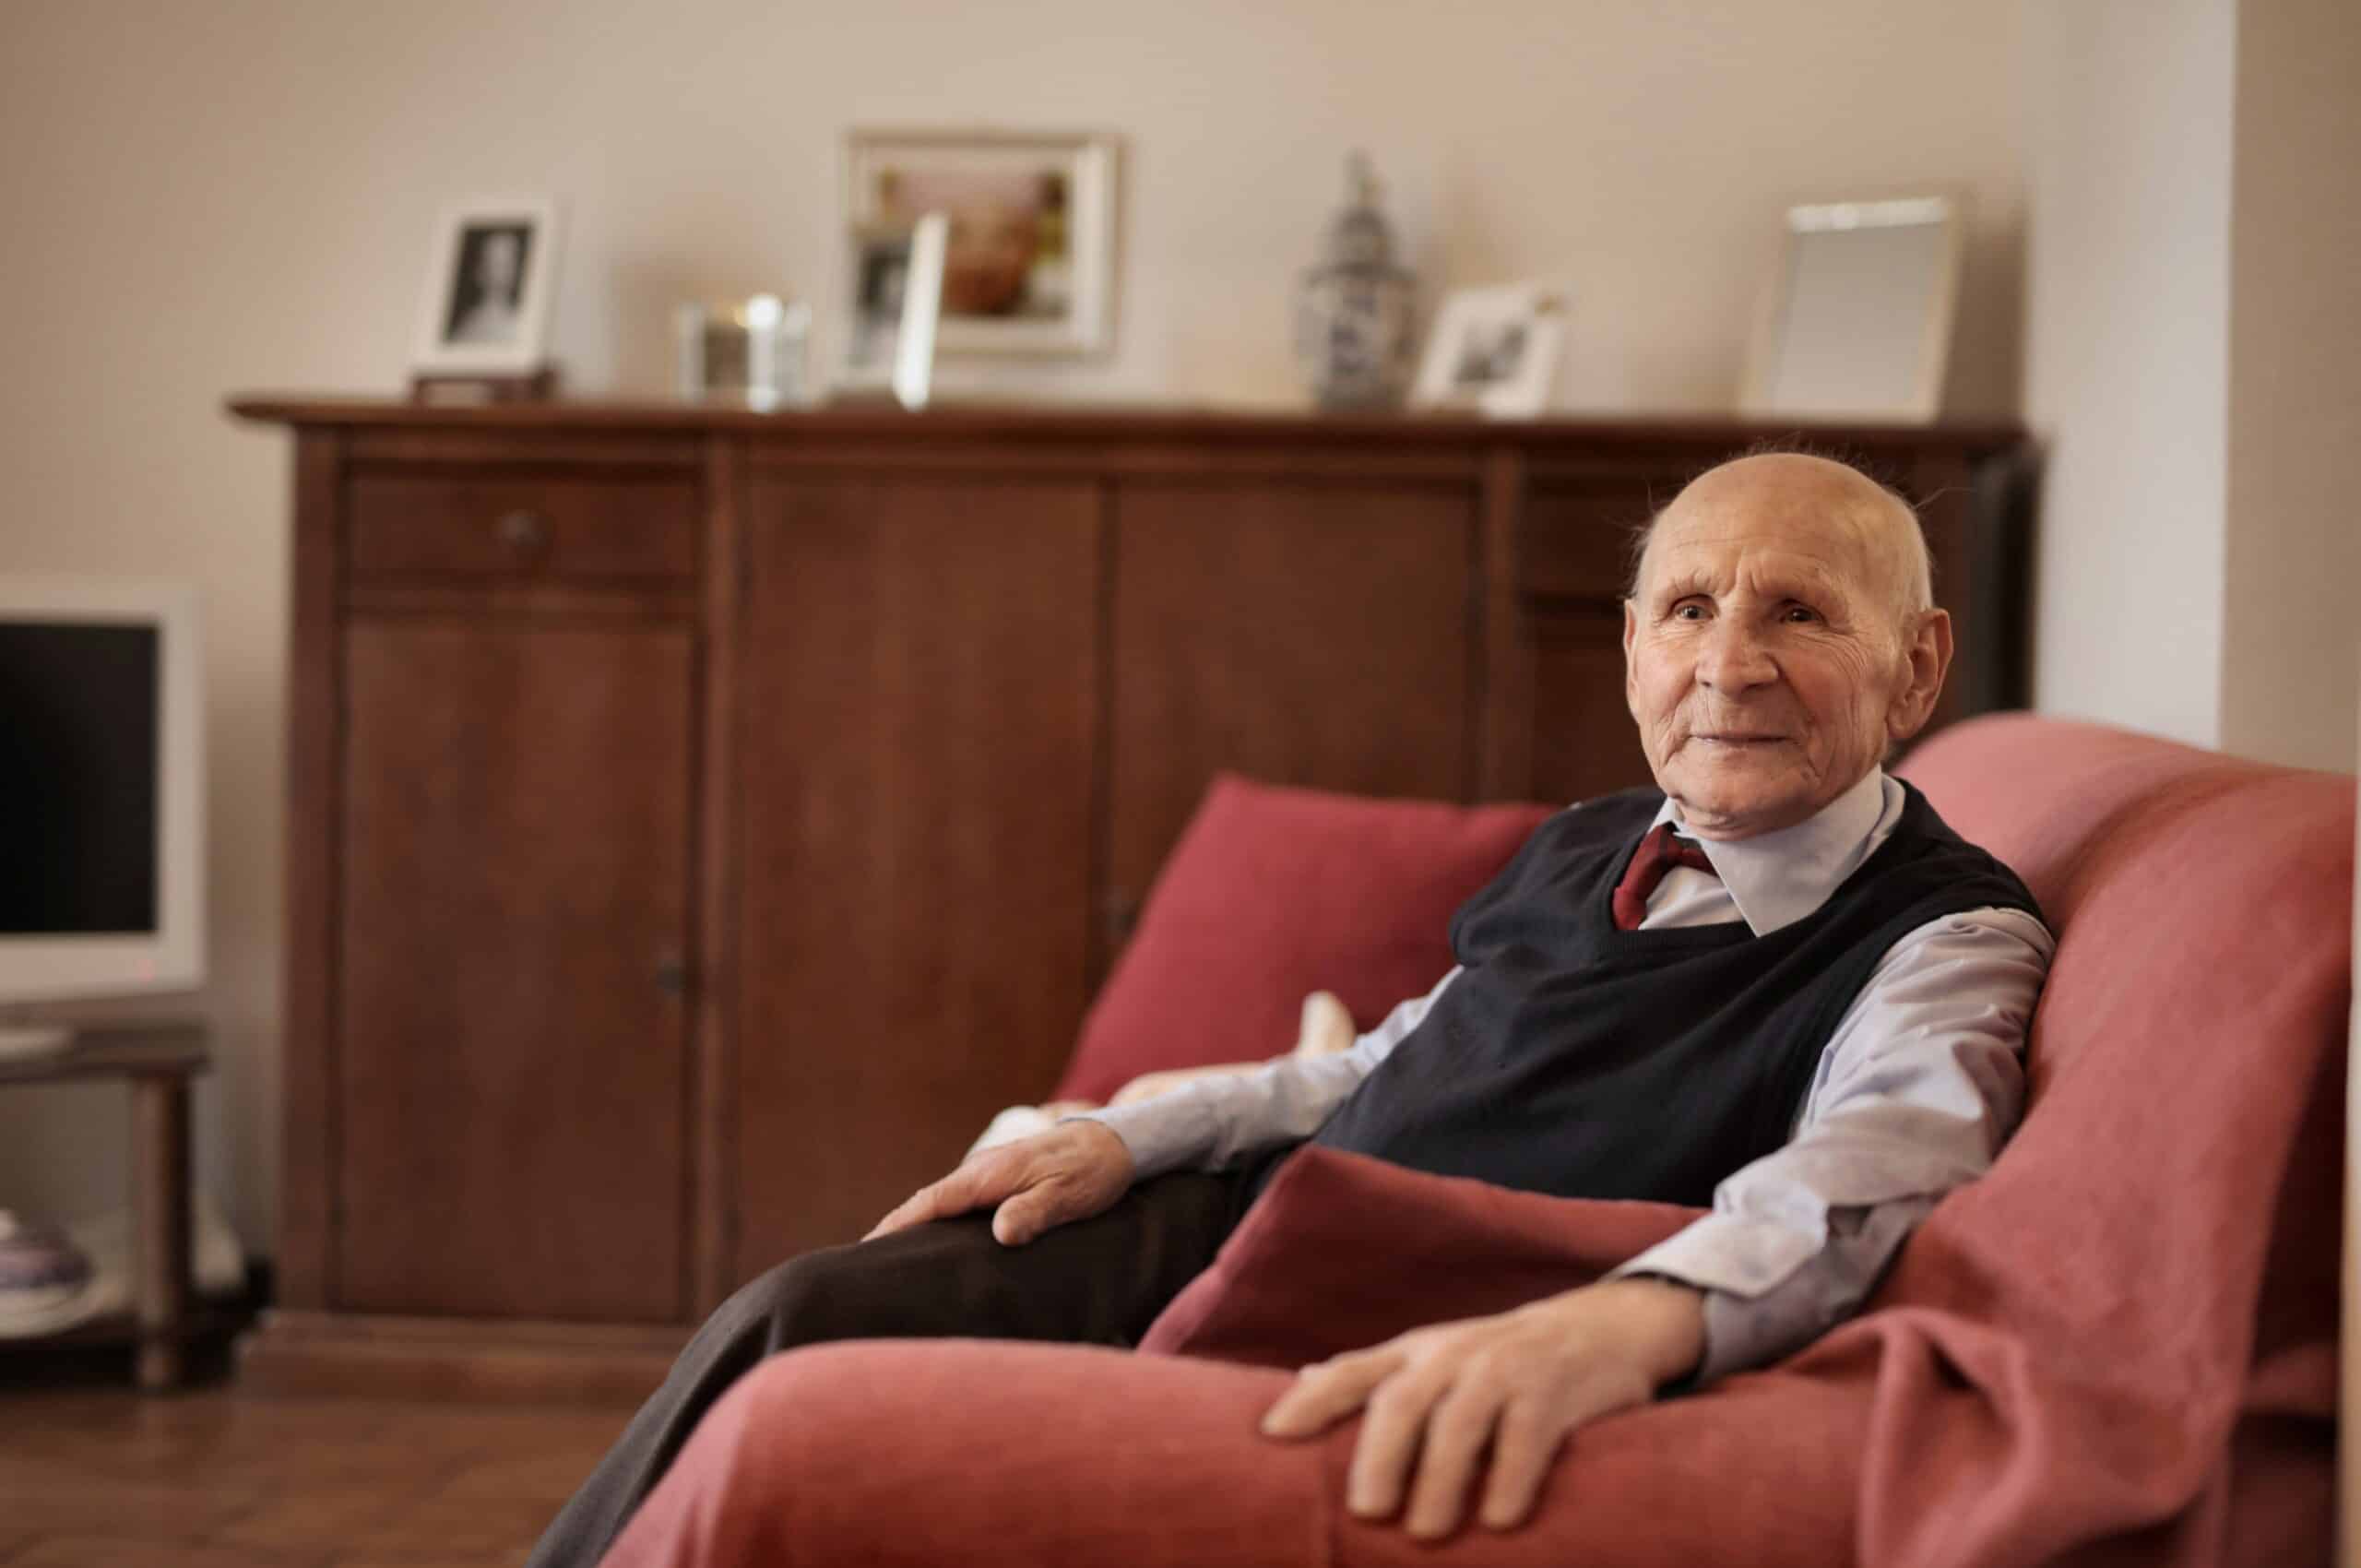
x,y
1726,1251
1160,1132
1746,1329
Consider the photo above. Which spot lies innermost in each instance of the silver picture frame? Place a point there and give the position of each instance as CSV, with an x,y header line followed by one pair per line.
x,y
1856,322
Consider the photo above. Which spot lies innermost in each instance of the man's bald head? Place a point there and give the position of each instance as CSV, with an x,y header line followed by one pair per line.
x,y
1885,522
1778,640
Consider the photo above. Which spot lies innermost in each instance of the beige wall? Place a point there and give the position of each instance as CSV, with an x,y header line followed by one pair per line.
x,y
205,197
2127,329
2193,312
2293,610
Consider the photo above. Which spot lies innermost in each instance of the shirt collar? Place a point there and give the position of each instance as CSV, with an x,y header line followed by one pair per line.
x,y
1775,879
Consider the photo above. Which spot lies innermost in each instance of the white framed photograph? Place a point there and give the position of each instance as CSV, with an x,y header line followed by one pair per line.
x,y
1493,350
1029,258
486,309
896,308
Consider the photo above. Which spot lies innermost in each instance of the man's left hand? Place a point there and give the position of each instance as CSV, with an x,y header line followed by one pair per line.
x,y
1515,1385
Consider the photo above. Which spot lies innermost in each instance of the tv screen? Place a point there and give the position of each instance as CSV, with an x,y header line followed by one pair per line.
x,y
78,776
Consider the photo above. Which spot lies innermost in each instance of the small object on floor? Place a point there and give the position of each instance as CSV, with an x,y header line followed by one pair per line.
x,y
106,1244
40,1265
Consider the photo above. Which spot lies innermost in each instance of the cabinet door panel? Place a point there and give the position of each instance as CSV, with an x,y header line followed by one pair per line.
x,y
510,1079
1584,741
915,764
1575,562
1301,634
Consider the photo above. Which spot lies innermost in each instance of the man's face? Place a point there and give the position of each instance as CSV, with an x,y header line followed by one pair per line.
x,y
1768,657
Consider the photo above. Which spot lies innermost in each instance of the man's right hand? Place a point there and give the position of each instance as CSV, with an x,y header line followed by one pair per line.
x,y
1072,1171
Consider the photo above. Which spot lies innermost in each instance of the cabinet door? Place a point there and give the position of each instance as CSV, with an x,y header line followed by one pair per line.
x,y
1315,634
1573,562
510,1085
914,744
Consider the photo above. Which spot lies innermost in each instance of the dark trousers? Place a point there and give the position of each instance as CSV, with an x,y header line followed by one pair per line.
x,y
1099,1281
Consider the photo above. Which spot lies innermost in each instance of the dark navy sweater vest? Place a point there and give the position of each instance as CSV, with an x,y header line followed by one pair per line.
x,y
1572,1057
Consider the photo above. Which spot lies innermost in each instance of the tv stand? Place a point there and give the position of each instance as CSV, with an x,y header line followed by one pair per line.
x,y
159,1060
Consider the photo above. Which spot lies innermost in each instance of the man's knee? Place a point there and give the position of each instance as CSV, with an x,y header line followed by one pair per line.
x,y
896,1287
807,1299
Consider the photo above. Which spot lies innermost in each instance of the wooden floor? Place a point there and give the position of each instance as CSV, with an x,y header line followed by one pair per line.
x,y
93,1476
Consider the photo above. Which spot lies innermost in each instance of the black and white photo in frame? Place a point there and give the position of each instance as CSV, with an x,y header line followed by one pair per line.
x,y
489,281
896,308
1493,350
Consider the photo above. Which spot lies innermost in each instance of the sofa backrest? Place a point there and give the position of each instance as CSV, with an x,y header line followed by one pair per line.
x,y
2190,891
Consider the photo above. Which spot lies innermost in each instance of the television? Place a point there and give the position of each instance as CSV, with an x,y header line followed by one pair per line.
x,y
102,797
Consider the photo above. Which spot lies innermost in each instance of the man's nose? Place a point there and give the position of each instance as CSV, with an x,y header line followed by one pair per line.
x,y
1735,658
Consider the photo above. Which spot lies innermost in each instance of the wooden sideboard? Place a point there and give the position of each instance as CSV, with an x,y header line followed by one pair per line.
x,y
701,822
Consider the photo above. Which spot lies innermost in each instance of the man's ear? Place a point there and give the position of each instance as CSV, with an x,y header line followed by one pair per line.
x,y
1930,655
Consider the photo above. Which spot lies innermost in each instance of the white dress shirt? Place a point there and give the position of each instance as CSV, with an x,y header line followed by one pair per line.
x,y
1921,1082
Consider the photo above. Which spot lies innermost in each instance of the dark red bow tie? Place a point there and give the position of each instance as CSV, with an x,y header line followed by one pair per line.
x,y
1657,854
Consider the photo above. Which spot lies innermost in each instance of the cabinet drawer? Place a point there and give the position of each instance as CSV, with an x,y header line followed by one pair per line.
x,y
484,525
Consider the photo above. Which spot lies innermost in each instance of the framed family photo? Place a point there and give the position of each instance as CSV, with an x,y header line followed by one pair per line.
x,y
1029,252
1493,350
486,307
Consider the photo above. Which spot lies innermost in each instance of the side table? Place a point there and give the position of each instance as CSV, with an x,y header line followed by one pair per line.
x,y
159,1060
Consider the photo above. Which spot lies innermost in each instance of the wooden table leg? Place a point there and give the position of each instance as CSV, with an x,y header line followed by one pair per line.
x,y
160,1148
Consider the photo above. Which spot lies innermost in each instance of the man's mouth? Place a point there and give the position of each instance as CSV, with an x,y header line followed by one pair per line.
x,y
1738,738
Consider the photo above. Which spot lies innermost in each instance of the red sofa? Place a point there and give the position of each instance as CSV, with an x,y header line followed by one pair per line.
x,y
2120,1346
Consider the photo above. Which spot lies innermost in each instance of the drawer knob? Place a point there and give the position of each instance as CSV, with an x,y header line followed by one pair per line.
x,y
522,531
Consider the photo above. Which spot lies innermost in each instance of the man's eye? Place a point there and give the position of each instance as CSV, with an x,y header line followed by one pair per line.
x,y
1689,610
1800,614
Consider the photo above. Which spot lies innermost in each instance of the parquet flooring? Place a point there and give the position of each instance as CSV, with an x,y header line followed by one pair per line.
x,y
94,1478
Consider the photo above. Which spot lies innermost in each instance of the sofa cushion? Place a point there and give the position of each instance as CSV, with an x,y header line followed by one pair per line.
x,y
1273,893
977,1454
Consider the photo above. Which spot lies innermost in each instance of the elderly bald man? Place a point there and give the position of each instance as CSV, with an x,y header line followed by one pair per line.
x,y
1776,981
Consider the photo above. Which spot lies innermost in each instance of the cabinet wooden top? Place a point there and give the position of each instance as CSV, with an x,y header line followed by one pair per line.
x,y
871,421
157,1049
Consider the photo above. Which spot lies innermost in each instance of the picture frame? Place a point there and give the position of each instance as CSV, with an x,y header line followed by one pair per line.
x,y
1030,256
1857,320
921,311
485,309
1493,350
896,306
749,351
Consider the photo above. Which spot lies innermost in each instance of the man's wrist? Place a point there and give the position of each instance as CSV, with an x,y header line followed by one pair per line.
x,y
1118,1146
1662,1322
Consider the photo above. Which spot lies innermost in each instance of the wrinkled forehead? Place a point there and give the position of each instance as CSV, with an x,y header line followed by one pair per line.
x,y
1782,524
